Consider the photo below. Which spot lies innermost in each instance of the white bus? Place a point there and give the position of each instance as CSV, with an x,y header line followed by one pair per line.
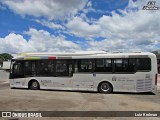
x,y
88,71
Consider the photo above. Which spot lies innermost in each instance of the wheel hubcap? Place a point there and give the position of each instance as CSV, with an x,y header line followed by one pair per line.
x,y
105,87
35,84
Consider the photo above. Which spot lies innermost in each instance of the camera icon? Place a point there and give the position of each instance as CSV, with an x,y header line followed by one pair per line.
x,y
6,114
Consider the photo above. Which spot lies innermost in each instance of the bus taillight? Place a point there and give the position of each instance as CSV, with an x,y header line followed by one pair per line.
x,y
155,79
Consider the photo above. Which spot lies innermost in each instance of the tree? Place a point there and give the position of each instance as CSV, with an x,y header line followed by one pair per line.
x,y
5,57
1,59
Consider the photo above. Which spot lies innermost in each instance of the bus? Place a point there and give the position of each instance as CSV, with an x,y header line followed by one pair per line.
x,y
85,71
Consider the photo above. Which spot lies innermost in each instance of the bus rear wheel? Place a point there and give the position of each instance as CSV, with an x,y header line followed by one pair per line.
x,y
105,87
34,85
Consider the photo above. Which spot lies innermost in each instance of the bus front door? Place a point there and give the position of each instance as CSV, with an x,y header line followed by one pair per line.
x,y
18,74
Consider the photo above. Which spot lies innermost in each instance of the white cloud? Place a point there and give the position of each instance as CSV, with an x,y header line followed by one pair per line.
x,y
49,24
108,45
80,28
131,22
133,30
122,45
44,41
51,9
89,4
14,43
40,41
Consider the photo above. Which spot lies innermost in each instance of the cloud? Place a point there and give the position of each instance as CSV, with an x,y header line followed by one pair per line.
x,y
108,45
40,41
124,24
130,22
121,45
14,43
79,27
44,41
130,30
49,24
51,9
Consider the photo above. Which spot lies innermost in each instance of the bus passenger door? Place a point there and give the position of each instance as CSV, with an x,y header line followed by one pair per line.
x,y
83,81
83,78
64,73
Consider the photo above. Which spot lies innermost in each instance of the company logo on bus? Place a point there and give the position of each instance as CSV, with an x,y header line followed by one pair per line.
x,y
114,78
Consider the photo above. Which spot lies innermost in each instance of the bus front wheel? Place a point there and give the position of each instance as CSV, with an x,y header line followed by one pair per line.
x,y
34,85
105,87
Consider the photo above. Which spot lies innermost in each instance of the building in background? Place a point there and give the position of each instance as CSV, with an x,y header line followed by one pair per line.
x,y
6,65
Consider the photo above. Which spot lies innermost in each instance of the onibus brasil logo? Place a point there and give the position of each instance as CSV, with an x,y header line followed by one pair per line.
x,y
151,5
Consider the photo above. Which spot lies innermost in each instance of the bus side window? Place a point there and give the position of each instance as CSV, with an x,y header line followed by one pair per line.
x,y
85,65
125,65
118,65
46,68
28,68
103,65
64,68
143,64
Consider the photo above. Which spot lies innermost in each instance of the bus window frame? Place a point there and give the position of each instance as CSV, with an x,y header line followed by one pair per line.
x,y
73,62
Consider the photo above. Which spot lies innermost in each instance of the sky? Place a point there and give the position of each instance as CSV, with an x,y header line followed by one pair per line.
x,y
78,25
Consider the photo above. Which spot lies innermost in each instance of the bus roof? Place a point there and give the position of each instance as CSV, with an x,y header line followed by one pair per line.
x,y
79,55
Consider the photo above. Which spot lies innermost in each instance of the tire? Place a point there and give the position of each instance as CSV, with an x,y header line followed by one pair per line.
x,y
34,85
105,87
